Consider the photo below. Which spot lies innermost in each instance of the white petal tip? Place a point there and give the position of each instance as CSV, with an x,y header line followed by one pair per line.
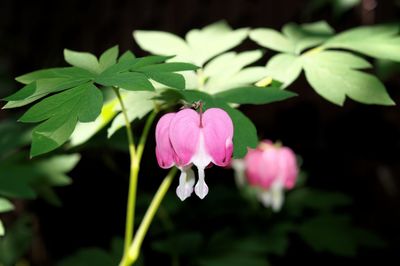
x,y
184,191
201,189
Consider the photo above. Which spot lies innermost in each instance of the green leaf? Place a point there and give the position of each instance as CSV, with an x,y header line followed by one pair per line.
x,y
84,131
329,233
317,200
334,76
200,46
127,80
272,39
5,205
50,73
285,68
51,171
96,256
109,58
369,239
167,67
15,244
228,71
51,134
128,55
61,112
380,41
307,35
235,260
82,60
171,44
172,80
245,133
67,78
15,181
342,6
319,27
84,101
254,95
149,60
10,141
89,256
179,244
212,40
25,179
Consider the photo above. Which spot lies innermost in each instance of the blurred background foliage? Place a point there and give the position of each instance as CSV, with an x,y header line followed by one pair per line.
x,y
346,212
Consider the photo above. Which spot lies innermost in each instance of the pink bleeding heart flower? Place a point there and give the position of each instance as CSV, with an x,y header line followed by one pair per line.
x,y
189,138
272,168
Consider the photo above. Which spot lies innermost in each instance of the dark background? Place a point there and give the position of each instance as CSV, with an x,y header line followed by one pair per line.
x,y
354,149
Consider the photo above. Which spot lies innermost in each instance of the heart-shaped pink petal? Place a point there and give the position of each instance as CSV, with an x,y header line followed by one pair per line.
x,y
184,132
164,150
218,134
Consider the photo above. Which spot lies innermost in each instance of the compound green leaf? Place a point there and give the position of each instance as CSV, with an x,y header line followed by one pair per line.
x,y
61,112
42,87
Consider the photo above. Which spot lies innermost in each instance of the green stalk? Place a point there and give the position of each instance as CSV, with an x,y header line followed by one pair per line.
x,y
130,209
134,249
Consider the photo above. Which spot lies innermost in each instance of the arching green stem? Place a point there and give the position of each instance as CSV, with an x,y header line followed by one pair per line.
x,y
134,249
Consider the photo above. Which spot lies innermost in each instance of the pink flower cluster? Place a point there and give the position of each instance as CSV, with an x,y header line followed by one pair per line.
x,y
189,138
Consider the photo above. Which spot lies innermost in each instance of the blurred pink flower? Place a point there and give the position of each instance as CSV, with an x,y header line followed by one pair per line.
x,y
189,138
272,169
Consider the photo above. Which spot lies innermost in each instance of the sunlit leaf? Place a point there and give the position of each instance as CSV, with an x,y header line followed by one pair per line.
x,y
380,41
284,67
199,46
335,75
5,205
272,39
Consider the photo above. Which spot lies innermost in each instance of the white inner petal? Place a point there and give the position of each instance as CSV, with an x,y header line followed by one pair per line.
x,y
186,183
273,197
201,187
201,159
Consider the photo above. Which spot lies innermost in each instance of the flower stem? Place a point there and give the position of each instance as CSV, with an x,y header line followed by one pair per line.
x,y
134,249
134,170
